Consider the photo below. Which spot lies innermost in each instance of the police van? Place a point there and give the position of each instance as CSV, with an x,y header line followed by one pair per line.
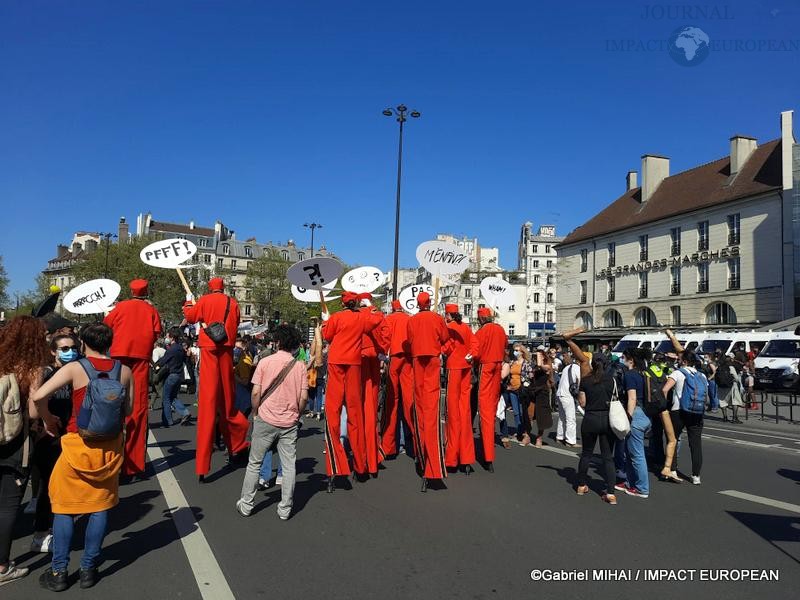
x,y
732,341
689,341
638,340
776,365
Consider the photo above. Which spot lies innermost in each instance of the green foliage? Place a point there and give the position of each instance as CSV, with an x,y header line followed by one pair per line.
x,y
271,290
3,283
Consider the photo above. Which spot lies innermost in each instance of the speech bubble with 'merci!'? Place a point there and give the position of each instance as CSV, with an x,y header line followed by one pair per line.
x,y
168,254
363,279
306,295
92,297
442,258
497,292
314,273
408,297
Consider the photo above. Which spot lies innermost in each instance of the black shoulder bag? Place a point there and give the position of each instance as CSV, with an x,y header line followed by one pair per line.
x,y
216,330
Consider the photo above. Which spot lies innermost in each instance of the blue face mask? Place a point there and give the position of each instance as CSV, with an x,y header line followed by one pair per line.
x,y
68,356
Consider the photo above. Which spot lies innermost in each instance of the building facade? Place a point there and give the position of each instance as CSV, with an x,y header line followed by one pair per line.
x,y
708,247
537,258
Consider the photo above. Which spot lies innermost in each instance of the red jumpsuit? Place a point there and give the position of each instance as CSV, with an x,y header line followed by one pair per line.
x,y
216,387
136,325
400,382
427,334
460,448
492,341
345,331
373,343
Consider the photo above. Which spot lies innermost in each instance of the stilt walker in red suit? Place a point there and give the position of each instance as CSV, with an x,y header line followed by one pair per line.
x,y
400,383
427,335
492,341
460,448
344,331
373,343
136,325
216,386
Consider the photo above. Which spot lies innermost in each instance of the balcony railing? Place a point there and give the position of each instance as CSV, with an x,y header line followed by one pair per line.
x,y
583,298
675,250
612,261
734,239
611,295
675,289
643,291
702,287
642,255
733,283
702,244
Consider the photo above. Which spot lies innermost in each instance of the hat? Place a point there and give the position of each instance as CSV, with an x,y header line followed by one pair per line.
x,y
396,305
364,296
423,299
485,312
48,305
348,297
540,348
217,284
139,287
54,321
451,308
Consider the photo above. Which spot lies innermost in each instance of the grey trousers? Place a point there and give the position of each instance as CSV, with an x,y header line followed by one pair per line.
x,y
263,438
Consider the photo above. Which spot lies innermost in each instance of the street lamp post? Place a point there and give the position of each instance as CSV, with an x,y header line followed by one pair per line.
x,y
399,112
108,237
312,227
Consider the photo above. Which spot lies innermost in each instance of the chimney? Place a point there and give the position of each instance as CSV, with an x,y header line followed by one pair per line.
x,y
631,181
62,250
787,140
122,231
191,224
742,146
90,245
655,169
76,247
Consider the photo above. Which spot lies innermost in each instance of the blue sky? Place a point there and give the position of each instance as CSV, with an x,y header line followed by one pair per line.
x,y
266,115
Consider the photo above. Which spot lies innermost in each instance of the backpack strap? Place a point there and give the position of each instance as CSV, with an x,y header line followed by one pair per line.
x,y
116,371
87,365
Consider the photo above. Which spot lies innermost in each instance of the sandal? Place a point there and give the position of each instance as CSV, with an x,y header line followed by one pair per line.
x,y
582,490
506,442
610,499
526,440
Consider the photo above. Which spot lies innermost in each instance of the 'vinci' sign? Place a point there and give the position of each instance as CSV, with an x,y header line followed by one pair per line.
x,y
665,263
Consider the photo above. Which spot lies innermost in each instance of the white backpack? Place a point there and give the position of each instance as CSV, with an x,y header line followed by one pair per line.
x,y
12,418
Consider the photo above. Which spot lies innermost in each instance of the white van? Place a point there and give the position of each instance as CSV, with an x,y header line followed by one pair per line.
x,y
689,341
777,364
731,341
638,340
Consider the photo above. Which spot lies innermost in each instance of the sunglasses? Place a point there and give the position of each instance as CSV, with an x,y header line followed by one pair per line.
x,y
65,348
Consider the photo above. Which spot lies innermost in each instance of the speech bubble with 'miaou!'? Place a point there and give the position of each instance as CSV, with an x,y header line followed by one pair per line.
x,y
92,297
168,254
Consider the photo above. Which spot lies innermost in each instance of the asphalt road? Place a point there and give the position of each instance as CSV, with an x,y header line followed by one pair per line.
x,y
479,538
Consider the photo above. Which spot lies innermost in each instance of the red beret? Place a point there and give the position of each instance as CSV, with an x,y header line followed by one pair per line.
x,y
396,305
348,297
423,299
485,312
217,284
451,308
364,296
139,287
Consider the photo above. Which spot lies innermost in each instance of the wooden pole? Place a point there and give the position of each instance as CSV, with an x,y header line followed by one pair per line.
x,y
436,295
183,281
322,302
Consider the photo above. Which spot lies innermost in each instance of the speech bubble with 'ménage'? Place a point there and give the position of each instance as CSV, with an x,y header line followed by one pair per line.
x,y
442,258
92,297
168,254
314,273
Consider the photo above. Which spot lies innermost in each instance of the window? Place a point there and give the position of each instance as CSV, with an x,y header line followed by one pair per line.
x,y
549,280
481,305
219,263
547,249
720,313
644,317
611,286
535,264
233,264
301,256
247,294
702,235
467,292
202,242
549,318
675,239
512,308
247,309
226,249
535,249
612,254
536,315
467,309
643,247
675,313
285,255
583,292
248,252
511,329
702,277
733,230
584,261
550,297
612,318
733,273
582,319
643,284
549,264
537,297
536,279
675,281
207,258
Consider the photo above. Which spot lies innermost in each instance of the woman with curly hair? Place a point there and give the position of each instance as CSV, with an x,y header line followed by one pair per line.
x,y
23,355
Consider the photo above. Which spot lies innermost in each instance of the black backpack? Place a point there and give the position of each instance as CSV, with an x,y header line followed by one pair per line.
x,y
724,377
655,402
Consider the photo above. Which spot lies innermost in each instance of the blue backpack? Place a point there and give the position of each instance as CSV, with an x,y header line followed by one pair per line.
x,y
695,391
103,409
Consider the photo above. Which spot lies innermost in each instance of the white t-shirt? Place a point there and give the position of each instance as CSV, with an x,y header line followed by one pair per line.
x,y
563,386
677,391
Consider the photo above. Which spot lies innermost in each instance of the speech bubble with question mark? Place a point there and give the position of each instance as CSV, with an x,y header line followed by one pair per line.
x,y
314,273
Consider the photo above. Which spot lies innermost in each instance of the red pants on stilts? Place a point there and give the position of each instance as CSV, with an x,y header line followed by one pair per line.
x,y
216,400
400,383
136,423
371,381
488,397
344,388
460,447
427,393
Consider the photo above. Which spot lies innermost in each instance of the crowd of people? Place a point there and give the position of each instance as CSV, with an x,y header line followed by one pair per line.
x,y
75,405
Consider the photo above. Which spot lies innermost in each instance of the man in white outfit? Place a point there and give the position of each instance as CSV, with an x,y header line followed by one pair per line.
x,y
570,376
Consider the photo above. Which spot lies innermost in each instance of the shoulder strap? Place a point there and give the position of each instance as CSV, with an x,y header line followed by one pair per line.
x,y
116,371
277,381
87,365
227,310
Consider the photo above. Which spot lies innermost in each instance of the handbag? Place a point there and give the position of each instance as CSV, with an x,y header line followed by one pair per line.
x,y
216,331
617,417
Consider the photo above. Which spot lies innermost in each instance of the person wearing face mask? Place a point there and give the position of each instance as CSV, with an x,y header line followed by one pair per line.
x,y
65,350
173,362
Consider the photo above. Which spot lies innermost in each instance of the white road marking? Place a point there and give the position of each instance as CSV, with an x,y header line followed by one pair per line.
x,y
751,444
207,572
795,508
563,451
744,432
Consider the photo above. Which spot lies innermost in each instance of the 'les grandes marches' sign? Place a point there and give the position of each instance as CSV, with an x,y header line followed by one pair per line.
x,y
666,263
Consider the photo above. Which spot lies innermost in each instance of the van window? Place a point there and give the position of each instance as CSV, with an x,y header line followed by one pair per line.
x,y
623,345
782,348
647,344
666,347
711,346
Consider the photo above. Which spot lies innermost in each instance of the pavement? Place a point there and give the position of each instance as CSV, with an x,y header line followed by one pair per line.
x,y
478,536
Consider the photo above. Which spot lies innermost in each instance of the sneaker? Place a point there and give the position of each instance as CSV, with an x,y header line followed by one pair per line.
x,y
283,518
43,544
240,509
55,581
186,420
262,485
30,509
401,450
88,578
696,479
279,480
620,487
632,491
13,572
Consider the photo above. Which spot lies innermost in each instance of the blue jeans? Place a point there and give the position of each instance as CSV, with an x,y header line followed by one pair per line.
x,y
62,540
635,464
317,403
620,458
713,399
512,399
169,398
266,467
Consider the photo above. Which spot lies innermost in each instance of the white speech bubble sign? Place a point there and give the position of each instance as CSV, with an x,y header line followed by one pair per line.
x,y
363,279
306,295
92,297
168,254
408,297
442,258
314,273
497,292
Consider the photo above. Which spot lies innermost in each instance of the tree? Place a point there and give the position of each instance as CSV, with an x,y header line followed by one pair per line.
x,y
3,283
271,290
